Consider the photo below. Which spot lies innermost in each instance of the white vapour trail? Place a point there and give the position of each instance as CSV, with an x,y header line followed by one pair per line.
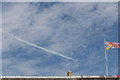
x,y
40,47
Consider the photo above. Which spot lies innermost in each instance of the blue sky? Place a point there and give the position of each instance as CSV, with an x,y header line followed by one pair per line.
x,y
73,29
0,39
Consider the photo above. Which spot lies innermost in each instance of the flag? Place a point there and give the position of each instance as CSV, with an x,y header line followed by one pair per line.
x,y
112,45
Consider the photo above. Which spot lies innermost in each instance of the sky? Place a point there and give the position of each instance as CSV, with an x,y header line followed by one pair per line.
x,y
73,29
0,39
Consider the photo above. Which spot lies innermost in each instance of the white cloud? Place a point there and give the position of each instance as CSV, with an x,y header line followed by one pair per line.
x,y
66,28
60,1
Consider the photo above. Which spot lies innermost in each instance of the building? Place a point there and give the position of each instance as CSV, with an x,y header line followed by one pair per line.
x,y
59,78
68,77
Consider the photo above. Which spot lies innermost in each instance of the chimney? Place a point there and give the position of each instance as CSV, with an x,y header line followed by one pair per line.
x,y
69,73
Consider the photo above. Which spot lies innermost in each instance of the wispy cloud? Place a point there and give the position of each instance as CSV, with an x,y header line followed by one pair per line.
x,y
73,29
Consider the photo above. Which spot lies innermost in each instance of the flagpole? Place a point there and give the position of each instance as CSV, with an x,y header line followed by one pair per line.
x,y
106,59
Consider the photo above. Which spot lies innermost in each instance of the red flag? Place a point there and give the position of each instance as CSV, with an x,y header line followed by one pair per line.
x,y
112,45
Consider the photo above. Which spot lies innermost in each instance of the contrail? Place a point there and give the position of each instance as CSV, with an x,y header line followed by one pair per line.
x,y
40,47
